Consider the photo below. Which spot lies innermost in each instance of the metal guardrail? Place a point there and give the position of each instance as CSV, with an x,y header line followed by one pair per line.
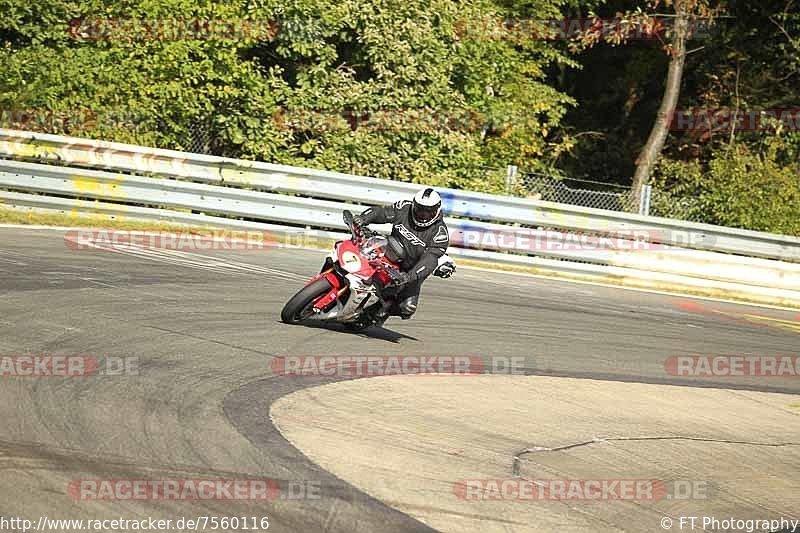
x,y
233,202
371,191
299,236
138,196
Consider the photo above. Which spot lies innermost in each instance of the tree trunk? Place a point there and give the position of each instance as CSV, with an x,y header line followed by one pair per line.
x,y
658,135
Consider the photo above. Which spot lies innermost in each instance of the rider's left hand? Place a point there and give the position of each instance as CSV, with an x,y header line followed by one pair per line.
x,y
404,278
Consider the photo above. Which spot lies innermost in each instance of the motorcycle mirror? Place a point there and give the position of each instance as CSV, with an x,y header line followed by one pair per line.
x,y
348,220
348,217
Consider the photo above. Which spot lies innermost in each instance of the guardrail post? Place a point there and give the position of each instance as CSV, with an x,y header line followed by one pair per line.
x,y
644,200
511,177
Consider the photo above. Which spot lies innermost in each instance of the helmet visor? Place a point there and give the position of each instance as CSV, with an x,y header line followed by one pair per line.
x,y
424,214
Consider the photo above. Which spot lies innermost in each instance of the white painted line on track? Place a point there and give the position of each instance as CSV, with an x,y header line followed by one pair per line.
x,y
194,260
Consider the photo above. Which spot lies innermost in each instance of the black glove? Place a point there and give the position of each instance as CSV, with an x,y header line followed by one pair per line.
x,y
404,278
365,218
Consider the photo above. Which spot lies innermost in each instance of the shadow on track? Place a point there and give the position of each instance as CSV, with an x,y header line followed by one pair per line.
x,y
379,333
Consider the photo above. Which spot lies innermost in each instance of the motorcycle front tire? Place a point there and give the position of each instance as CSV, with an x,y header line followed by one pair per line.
x,y
297,308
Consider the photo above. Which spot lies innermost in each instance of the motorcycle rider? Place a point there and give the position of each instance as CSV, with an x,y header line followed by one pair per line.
x,y
421,235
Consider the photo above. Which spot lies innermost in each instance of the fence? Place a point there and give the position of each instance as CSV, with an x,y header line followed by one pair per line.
x,y
199,189
667,204
581,192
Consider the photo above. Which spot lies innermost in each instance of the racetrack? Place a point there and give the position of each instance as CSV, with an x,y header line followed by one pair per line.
x,y
204,328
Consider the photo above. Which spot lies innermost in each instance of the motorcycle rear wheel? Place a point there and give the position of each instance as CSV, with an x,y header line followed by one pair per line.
x,y
300,306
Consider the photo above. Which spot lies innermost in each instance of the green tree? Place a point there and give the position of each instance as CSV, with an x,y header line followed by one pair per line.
x,y
479,100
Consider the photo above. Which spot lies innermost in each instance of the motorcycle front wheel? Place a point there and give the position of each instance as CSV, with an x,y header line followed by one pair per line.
x,y
301,305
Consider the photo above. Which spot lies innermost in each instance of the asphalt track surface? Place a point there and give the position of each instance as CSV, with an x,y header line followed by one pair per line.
x,y
204,328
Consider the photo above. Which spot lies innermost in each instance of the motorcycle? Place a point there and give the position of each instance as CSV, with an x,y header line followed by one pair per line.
x,y
357,284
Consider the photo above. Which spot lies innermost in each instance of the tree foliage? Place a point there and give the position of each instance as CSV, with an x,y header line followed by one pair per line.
x,y
475,102
738,187
408,91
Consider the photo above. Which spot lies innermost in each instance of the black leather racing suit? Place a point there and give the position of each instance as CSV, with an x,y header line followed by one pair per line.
x,y
422,248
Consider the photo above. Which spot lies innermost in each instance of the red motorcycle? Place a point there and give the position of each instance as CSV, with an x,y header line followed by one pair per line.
x,y
357,284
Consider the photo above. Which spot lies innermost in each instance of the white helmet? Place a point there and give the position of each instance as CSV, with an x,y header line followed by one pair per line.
x,y
426,208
